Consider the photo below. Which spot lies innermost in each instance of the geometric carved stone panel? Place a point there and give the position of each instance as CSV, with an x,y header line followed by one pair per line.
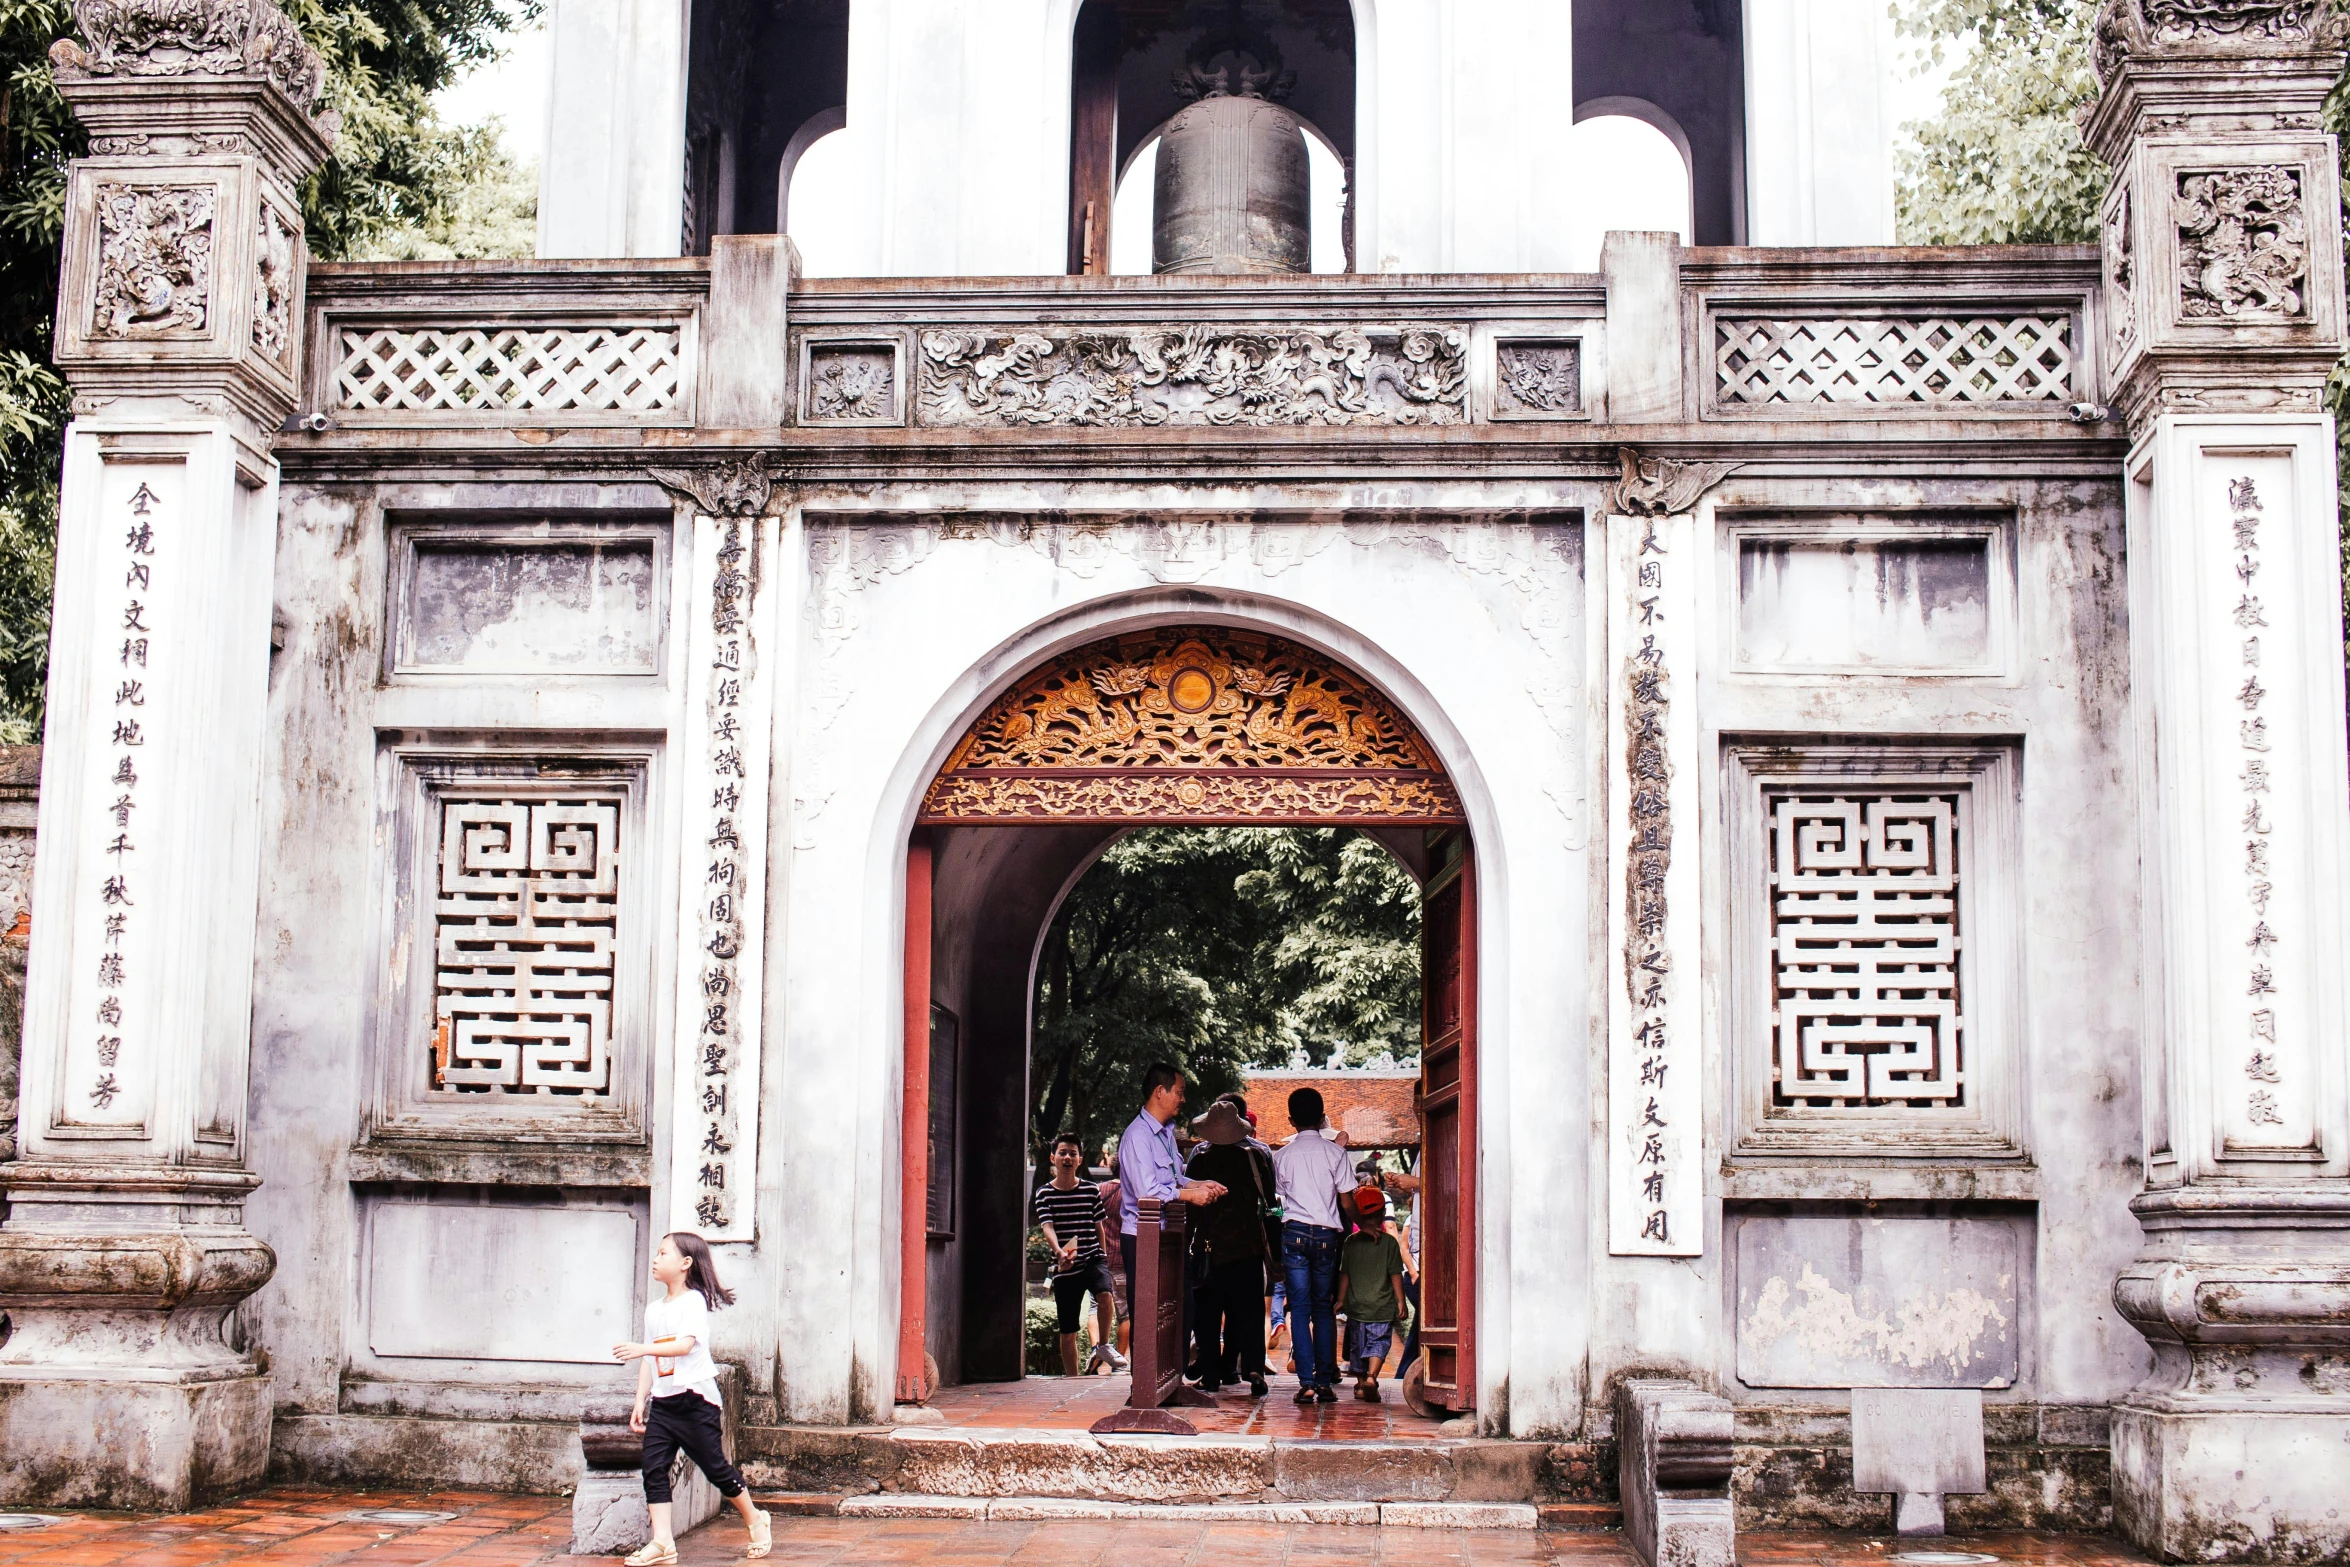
x,y
1864,943
1874,948
517,997
525,923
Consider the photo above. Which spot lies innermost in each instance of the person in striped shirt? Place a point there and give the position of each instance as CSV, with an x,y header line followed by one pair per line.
x,y
1069,1211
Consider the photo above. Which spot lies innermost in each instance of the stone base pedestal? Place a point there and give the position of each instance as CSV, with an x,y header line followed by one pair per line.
x,y
161,1446
2255,1484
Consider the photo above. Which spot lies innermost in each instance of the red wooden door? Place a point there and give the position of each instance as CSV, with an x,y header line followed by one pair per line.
x,y
1448,1122
914,1136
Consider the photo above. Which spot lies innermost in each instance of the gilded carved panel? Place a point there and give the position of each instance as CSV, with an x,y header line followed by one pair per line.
x,y
1192,723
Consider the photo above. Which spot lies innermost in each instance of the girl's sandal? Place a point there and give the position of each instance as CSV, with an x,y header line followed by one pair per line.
x,y
654,1554
762,1536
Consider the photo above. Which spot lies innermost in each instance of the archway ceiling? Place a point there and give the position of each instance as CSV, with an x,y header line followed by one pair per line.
x,y
1195,725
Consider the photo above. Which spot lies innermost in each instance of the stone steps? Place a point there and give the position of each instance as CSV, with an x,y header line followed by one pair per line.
x,y
1027,1474
1581,1516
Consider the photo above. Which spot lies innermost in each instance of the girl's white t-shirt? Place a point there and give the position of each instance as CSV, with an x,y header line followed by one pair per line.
x,y
686,1315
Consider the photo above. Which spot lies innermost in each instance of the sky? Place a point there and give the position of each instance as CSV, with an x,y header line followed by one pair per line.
x,y
1636,179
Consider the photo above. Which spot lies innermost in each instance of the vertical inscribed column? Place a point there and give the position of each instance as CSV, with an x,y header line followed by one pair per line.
x,y
1656,1088
722,767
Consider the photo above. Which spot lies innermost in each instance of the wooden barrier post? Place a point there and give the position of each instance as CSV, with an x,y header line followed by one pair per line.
x,y
1159,1289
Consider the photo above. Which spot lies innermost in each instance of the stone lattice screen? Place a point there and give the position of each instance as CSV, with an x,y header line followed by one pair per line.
x,y
525,923
612,368
1864,923
1893,360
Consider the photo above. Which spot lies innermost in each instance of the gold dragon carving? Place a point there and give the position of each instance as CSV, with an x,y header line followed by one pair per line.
x,y
1192,723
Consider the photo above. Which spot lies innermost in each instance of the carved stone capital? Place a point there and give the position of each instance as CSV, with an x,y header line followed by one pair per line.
x,y
196,39
735,489
1660,486
2240,29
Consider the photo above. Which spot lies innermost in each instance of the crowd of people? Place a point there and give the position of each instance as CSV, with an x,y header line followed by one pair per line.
x,y
1284,1242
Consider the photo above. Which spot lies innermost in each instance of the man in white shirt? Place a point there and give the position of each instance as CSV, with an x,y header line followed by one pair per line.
x,y
1313,1172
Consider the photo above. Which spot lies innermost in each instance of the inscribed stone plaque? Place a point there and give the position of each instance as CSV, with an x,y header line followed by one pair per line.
x,y
1864,604
481,1281
1838,1301
538,608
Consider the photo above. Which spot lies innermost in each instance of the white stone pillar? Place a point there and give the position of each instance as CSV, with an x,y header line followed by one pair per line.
x,y
2224,312
1462,149
612,178
1819,123
179,321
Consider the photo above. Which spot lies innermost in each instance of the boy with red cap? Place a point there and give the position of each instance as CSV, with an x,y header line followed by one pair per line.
x,y
1370,1267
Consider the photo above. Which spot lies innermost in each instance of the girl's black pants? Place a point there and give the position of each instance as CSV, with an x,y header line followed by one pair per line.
x,y
688,1423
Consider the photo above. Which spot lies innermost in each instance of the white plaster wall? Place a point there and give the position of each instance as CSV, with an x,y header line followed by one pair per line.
x,y
907,634
1819,122
612,175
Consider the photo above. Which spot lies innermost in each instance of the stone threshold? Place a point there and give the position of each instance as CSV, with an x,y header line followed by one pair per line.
x,y
1047,1509
1556,1517
981,1465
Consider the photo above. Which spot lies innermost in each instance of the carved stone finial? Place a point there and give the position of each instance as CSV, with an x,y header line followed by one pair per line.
x,y
2248,27
727,490
1660,486
216,38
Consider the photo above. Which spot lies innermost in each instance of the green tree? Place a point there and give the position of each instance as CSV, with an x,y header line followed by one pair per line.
x,y
1220,949
2002,163
395,168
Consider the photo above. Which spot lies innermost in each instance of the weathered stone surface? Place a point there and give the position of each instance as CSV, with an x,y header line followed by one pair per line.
x,y
148,1446
819,1458
1579,1472
355,1449
1497,1471
1457,1515
1674,1462
1363,1471
959,1463
894,1505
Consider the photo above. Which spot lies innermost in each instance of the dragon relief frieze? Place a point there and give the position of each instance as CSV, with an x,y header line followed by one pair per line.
x,y
2243,243
1213,375
1192,721
154,276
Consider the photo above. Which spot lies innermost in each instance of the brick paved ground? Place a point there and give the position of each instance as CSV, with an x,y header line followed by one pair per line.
x,y
289,1527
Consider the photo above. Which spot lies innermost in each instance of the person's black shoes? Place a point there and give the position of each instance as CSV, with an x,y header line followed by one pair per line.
x,y
1256,1387
1305,1395
1325,1395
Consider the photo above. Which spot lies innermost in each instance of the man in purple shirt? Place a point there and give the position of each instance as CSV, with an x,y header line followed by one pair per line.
x,y
1150,1166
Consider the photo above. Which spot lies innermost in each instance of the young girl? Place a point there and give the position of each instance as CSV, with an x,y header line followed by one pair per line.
x,y
677,1392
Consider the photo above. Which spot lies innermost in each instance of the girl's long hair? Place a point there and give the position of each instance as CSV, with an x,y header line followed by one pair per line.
x,y
701,1271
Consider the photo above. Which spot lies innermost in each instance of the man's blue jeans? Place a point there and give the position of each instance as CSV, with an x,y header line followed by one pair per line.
x,y
1309,1262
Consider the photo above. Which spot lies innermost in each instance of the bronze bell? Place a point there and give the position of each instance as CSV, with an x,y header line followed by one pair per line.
x,y
1232,189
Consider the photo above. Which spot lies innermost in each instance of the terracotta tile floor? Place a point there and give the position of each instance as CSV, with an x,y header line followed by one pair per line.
x,y
1073,1403
309,1528
285,1526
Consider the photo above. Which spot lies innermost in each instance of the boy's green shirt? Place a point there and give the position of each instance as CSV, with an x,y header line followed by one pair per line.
x,y
1369,1264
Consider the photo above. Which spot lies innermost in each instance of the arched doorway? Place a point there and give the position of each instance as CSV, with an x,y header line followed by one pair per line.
x,y
1175,725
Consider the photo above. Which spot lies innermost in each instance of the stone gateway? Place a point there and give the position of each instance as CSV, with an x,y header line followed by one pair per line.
x,y
545,753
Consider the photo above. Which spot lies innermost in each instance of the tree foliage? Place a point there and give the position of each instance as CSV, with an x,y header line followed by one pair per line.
x,y
1219,949
395,170
2002,163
